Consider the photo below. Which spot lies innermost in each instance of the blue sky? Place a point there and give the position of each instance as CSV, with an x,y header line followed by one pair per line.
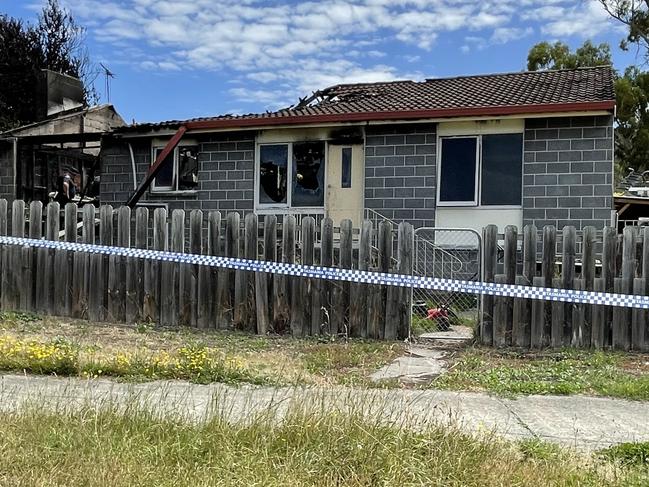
x,y
191,58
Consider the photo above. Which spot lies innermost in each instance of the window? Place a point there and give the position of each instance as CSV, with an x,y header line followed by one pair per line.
x,y
483,170
179,171
346,176
299,184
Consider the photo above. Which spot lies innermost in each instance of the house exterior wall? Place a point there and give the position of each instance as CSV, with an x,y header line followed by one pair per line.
x,y
7,190
568,171
400,172
225,173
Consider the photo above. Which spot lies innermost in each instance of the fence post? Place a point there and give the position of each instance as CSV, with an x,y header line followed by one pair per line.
x,y
301,319
3,231
117,269
135,269
285,282
12,255
173,300
640,318
406,245
266,287
568,261
585,312
490,260
191,271
65,263
152,277
262,279
547,272
340,294
511,248
523,307
358,293
251,236
35,232
49,277
207,296
621,338
224,289
609,244
324,287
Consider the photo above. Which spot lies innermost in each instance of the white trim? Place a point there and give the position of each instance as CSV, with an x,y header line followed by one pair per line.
x,y
476,178
288,206
154,187
158,143
477,202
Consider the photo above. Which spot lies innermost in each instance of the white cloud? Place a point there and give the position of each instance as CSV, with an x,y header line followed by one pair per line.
x,y
280,48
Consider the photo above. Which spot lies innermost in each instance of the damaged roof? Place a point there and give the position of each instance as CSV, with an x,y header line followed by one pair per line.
x,y
580,89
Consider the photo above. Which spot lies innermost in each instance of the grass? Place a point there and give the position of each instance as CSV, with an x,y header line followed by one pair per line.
x,y
566,371
77,348
123,447
636,453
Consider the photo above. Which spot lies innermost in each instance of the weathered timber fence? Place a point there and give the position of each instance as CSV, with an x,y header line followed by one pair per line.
x,y
598,261
116,288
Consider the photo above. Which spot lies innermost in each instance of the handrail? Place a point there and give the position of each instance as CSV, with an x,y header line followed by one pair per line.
x,y
376,217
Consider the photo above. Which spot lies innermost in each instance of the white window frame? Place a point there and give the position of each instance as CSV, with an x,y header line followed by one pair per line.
x,y
288,206
170,189
477,193
476,178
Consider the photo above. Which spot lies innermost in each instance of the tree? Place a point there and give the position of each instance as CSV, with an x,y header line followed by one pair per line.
x,y
55,43
558,56
635,15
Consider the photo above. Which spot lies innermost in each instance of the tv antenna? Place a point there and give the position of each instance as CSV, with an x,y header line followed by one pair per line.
x,y
108,74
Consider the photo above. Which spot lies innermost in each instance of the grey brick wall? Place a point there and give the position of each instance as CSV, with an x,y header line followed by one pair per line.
x,y
568,171
400,172
7,190
225,174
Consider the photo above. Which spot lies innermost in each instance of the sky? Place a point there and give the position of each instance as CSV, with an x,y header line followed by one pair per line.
x,y
179,59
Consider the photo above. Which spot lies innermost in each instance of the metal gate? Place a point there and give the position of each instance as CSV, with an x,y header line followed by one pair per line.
x,y
450,253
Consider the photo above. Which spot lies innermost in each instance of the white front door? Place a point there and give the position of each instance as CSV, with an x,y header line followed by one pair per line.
x,y
345,183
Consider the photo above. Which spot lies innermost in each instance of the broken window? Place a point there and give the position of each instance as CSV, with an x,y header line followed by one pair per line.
x,y
179,170
187,167
346,174
273,168
308,174
299,184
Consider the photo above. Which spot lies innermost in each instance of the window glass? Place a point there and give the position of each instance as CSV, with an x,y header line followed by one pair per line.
x,y
457,175
273,166
187,167
502,169
165,177
346,178
308,174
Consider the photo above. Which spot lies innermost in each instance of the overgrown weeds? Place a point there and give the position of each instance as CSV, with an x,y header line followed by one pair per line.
x,y
130,446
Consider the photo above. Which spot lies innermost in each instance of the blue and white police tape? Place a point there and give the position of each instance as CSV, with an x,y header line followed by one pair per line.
x,y
349,275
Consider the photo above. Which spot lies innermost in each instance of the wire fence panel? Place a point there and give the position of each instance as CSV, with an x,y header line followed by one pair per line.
x,y
449,253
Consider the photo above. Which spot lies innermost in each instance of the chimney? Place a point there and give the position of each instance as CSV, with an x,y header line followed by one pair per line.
x,y
58,92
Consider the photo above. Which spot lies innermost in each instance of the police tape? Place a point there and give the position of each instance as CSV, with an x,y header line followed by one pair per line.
x,y
348,275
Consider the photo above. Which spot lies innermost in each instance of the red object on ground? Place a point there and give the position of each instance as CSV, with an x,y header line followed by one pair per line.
x,y
436,313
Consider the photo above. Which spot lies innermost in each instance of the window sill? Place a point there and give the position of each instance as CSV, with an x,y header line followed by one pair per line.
x,y
287,210
163,192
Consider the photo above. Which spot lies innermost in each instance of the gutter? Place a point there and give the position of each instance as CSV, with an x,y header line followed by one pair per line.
x,y
399,115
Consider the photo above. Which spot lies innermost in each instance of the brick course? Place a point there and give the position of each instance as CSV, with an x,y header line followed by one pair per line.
x,y
568,171
400,172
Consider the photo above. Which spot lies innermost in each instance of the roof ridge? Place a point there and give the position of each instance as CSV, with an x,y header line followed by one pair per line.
x,y
525,71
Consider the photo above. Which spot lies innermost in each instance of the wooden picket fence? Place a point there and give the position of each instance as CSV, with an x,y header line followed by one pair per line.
x,y
606,262
125,289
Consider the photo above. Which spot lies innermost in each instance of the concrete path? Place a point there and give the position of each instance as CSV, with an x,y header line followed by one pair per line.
x,y
582,422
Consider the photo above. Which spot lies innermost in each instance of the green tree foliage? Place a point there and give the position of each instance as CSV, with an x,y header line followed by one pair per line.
x,y
55,43
632,116
558,56
635,15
